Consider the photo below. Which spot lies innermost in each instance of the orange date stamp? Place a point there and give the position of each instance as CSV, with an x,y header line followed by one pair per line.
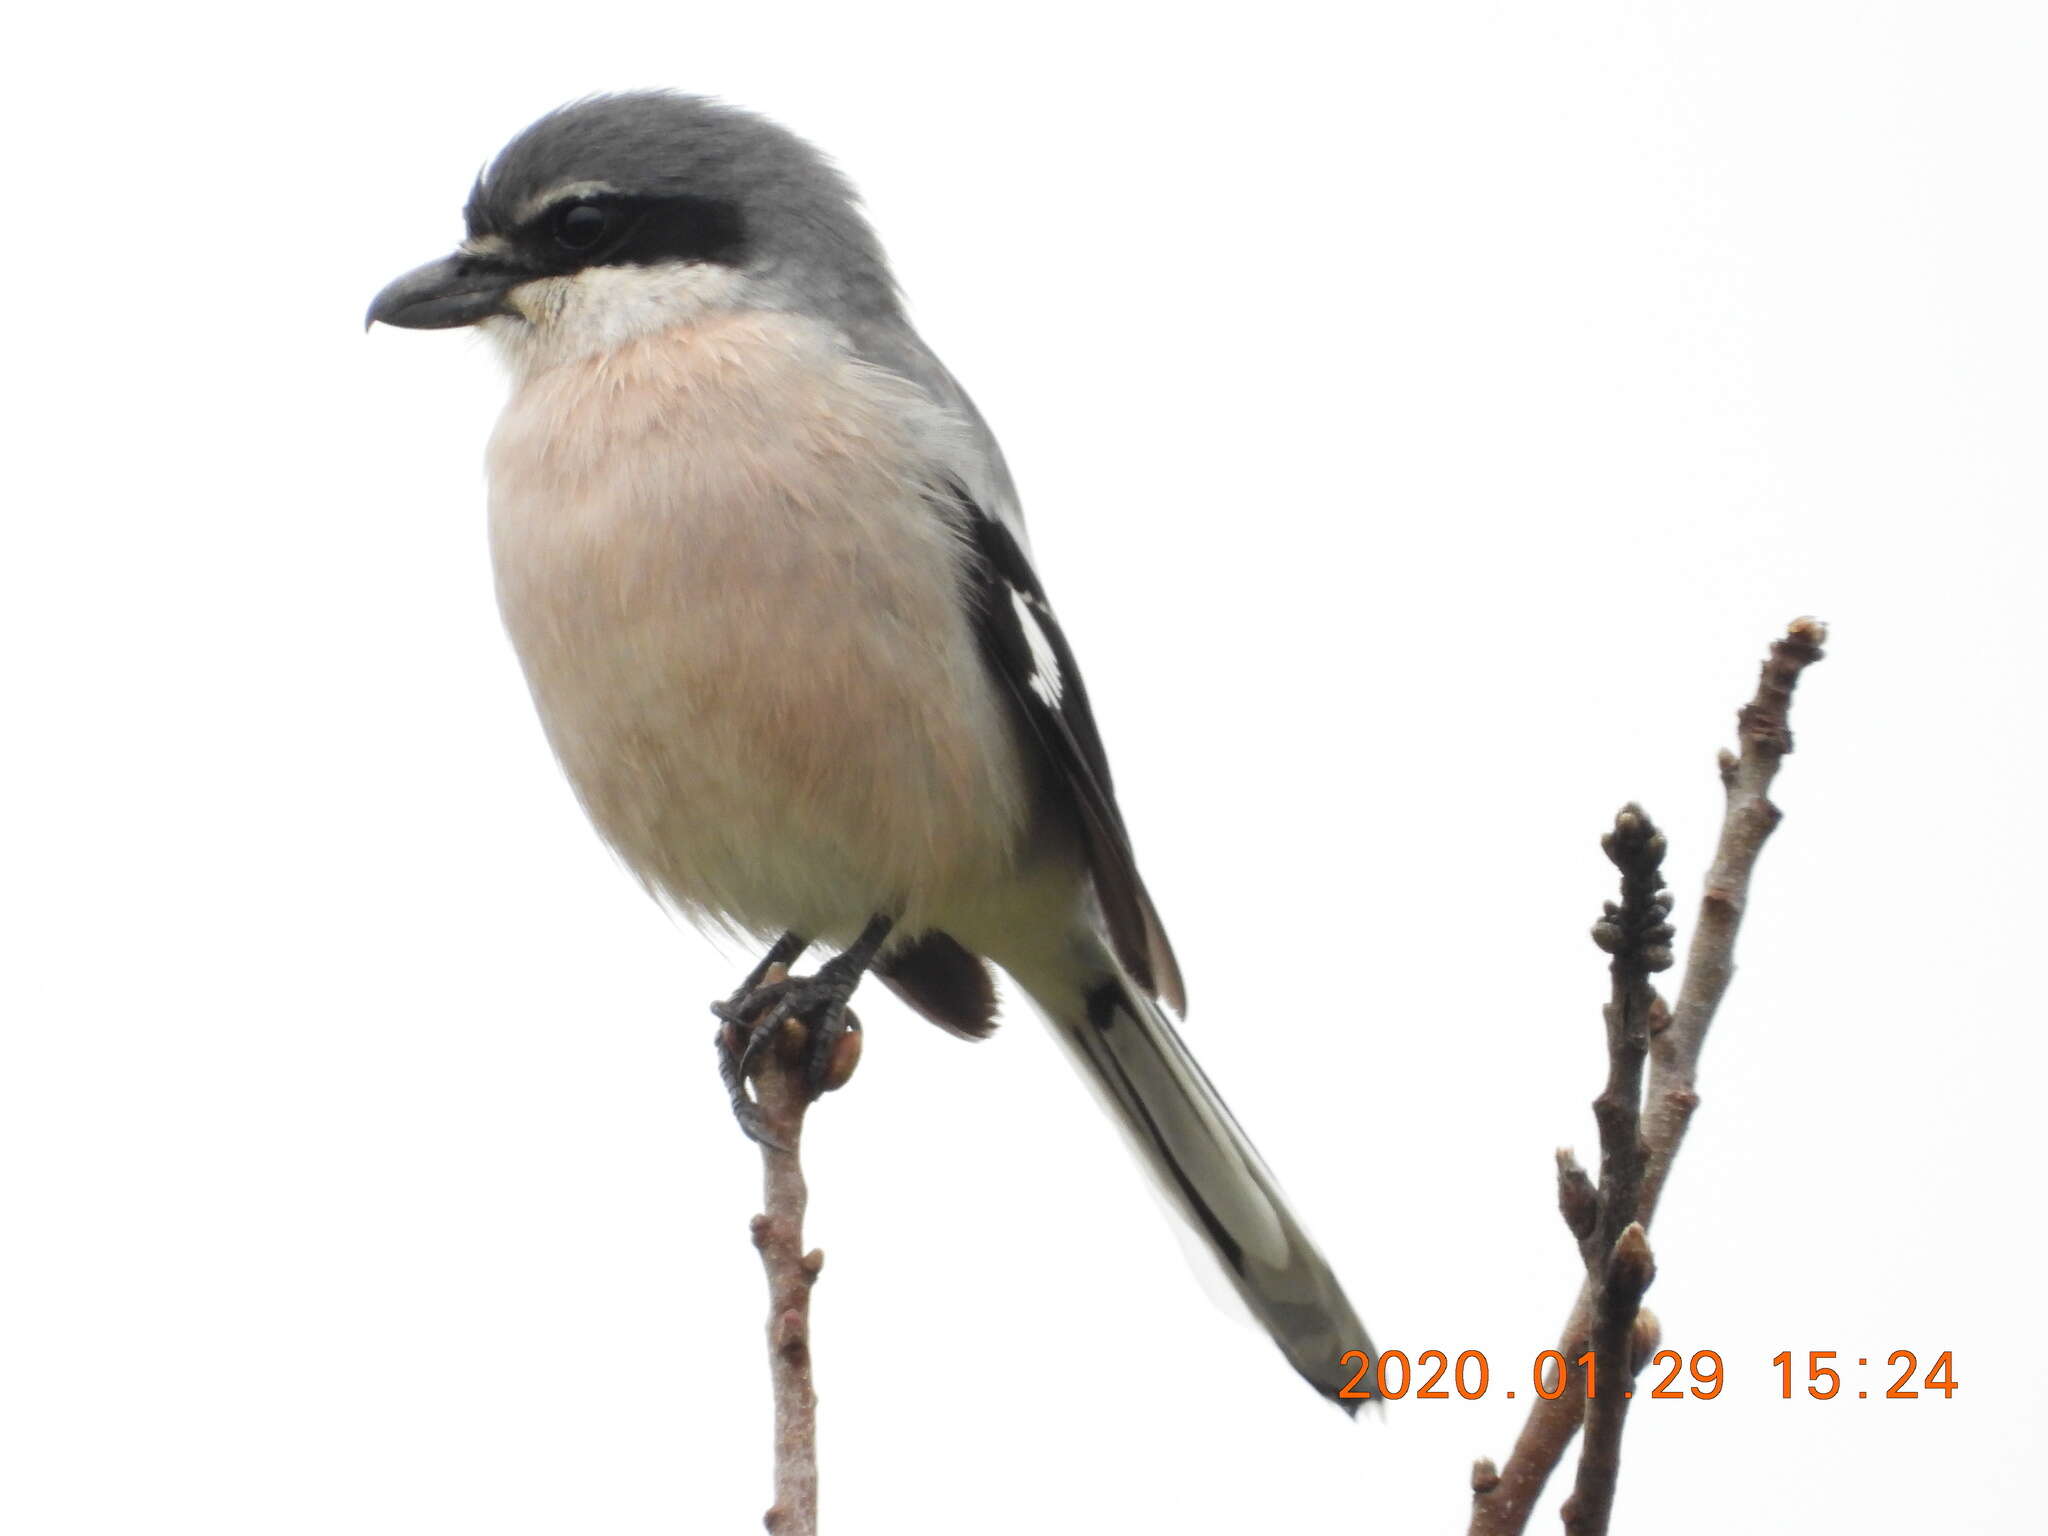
x,y
1436,1375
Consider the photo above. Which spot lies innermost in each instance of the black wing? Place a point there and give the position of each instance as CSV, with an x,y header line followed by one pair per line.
x,y
1028,652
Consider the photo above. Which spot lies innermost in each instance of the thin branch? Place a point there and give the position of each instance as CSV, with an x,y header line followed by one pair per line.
x,y
1503,1498
778,1233
1750,817
1628,1273
1636,931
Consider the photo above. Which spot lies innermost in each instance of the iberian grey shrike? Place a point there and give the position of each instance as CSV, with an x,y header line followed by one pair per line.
x,y
765,570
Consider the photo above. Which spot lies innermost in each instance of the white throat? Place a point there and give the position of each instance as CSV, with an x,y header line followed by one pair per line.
x,y
602,308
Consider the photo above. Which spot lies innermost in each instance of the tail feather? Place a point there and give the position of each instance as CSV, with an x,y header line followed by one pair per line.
x,y
1209,1170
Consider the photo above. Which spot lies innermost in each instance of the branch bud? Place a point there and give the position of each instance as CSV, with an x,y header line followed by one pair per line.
x,y
845,1055
1631,1267
1577,1201
1643,1339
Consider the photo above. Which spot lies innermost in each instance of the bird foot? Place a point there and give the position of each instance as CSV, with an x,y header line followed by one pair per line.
x,y
755,1019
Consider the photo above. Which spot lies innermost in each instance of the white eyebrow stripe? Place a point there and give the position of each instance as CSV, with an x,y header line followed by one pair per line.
x,y
486,245
541,202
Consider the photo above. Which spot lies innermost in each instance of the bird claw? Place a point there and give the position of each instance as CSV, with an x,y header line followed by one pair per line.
x,y
752,1018
755,1125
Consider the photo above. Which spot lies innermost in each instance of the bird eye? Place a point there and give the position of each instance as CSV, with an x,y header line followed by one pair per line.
x,y
580,226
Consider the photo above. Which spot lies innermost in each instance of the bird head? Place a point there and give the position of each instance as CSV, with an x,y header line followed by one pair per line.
x,y
624,215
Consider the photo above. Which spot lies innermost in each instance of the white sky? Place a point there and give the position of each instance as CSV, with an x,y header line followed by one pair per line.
x,y
1426,415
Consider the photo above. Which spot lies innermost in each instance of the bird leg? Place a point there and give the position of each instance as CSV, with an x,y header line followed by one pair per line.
x,y
758,1010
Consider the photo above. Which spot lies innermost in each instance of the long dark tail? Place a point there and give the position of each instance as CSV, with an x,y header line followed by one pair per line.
x,y
1210,1171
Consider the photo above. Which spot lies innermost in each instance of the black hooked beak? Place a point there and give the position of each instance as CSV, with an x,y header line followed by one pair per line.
x,y
456,290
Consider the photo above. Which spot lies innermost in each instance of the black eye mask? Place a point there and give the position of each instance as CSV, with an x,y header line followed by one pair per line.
x,y
617,230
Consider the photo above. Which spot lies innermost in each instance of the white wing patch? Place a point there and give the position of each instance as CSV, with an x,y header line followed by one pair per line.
x,y
1045,663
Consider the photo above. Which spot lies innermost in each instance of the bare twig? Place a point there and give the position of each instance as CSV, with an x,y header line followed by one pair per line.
x,y
1766,737
1636,931
1626,1275
1503,1498
1619,1268
779,1234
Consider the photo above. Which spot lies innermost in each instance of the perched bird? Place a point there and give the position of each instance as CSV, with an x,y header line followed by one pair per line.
x,y
765,570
